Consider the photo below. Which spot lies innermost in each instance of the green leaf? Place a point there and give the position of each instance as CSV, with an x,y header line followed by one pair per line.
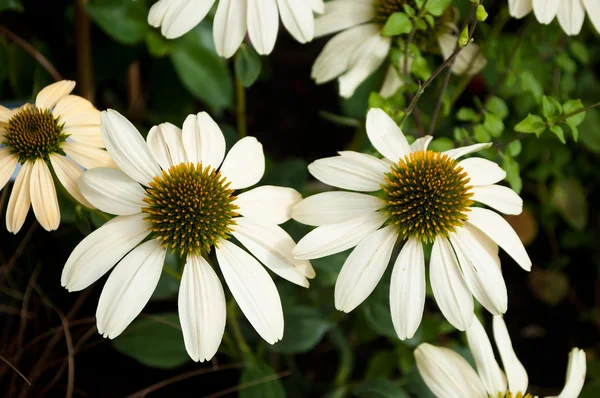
x,y
574,132
548,108
569,197
304,329
468,115
513,174
514,148
14,5
558,131
381,365
531,124
481,134
463,40
589,131
125,22
397,24
532,85
580,51
420,24
376,309
441,144
437,7
481,13
572,106
493,124
409,11
565,63
155,342
267,384
157,45
379,389
247,65
497,106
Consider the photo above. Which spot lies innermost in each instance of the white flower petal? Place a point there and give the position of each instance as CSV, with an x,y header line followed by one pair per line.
x,y
43,196
5,114
421,144
362,173
263,25
593,11
317,6
203,140
465,150
363,268
86,134
112,191
515,372
73,110
391,83
343,14
49,96
468,61
268,203
129,288
180,17
87,156
335,238
272,246
20,199
571,15
450,290
244,165
576,371
447,374
164,142
488,369
253,289
386,136
8,164
202,309
545,10
407,289
335,207
127,147
519,8
500,231
102,249
229,26
482,171
498,197
68,173
297,17
158,11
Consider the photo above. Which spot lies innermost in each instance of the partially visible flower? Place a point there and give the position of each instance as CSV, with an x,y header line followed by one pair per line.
x,y
175,192
359,50
234,17
423,197
570,13
448,375
38,136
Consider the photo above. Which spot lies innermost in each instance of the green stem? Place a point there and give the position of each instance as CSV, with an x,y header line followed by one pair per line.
x,y
235,328
585,109
176,275
240,97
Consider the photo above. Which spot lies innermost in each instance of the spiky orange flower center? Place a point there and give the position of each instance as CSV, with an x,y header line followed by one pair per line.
x,y
427,195
190,208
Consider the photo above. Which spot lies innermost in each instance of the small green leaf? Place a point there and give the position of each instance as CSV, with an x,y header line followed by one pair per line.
x,y
531,124
437,7
558,131
441,144
514,148
14,5
569,198
468,115
397,24
532,85
381,365
463,40
420,24
574,132
565,63
580,51
125,22
304,329
497,106
513,173
481,134
430,20
493,124
247,65
548,108
481,13
572,106
267,384
379,389
409,11
157,45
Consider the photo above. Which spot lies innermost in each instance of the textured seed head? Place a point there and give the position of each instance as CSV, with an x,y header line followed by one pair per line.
x,y
511,395
34,133
427,195
190,208
385,8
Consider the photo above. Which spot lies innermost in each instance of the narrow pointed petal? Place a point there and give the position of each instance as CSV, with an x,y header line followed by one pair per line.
x,y
386,136
335,207
498,197
20,199
202,309
50,95
88,156
482,171
124,197
129,288
354,173
229,26
341,15
244,165
516,374
297,17
576,371
43,196
465,150
203,140
488,369
263,25
268,203
73,110
545,10
68,173
8,164
571,15
364,268
164,142
180,17
421,144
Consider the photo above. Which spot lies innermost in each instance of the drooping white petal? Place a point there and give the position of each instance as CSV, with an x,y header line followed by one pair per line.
x,y
43,196
268,203
358,173
20,199
68,173
335,238
515,372
450,290
363,268
593,11
407,289
421,144
545,10
127,147
102,249
49,96
498,197
87,156
488,369
297,17
335,207
386,136
263,24
447,374
465,150
164,142
253,289
244,165
519,8
571,15
203,140
391,83
343,14
272,246
576,371
482,171
229,26
8,164
500,231
180,17
129,288
202,309
112,191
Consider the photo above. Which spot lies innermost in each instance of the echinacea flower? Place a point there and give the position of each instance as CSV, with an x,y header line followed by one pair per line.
x,y
355,53
423,197
448,375
234,17
570,13
38,136
175,192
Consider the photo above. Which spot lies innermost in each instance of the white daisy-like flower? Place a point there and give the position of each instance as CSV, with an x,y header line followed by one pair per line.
x,y
448,375
423,197
175,192
260,18
359,50
570,13
38,136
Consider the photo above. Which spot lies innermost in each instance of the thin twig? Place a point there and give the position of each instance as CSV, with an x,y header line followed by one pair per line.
x,y
250,384
240,97
15,369
18,252
85,72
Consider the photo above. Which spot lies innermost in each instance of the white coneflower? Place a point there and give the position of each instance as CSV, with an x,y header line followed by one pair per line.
x,y
176,193
448,375
359,50
423,197
38,136
570,13
234,17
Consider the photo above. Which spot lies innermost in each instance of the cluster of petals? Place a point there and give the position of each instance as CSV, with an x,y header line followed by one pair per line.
x,y
260,18
570,13
449,375
139,261
463,264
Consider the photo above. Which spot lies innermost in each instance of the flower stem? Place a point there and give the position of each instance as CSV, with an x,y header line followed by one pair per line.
x,y
240,97
176,275
585,109
235,327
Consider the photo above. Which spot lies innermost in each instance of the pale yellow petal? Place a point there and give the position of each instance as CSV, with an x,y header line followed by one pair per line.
x,y
50,95
43,196
19,202
87,156
68,173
